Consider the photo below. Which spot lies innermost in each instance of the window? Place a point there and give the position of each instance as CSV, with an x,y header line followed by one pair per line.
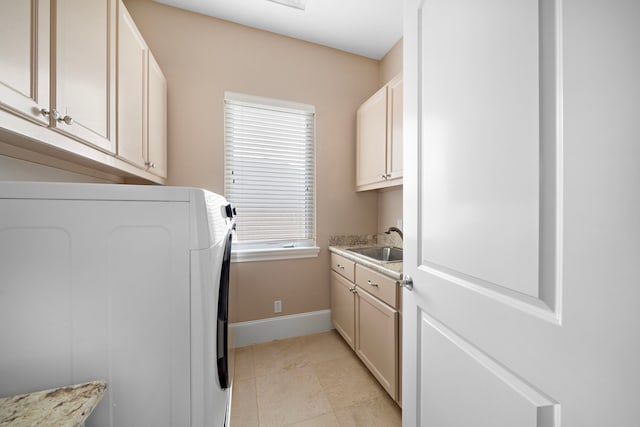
x,y
270,177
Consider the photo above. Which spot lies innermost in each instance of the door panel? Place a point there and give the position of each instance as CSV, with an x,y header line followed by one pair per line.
x,y
85,70
157,119
372,139
24,58
132,91
376,335
15,45
481,174
394,129
343,308
490,394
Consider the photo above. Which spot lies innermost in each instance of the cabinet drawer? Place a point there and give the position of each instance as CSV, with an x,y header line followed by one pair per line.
x,y
343,266
377,284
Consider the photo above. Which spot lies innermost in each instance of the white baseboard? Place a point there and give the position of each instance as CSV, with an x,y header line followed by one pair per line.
x,y
277,328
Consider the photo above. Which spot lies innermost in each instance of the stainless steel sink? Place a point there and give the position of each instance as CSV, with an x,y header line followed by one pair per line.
x,y
380,253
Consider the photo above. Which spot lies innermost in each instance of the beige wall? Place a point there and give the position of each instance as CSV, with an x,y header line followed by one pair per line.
x,y
389,208
391,63
390,200
203,57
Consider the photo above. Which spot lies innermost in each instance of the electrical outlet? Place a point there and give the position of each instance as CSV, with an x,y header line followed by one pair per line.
x,y
277,306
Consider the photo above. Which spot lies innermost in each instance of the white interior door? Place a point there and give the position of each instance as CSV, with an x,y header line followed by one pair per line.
x,y
522,229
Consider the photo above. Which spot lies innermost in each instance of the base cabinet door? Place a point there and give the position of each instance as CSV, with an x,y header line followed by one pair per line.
x,y
376,336
343,307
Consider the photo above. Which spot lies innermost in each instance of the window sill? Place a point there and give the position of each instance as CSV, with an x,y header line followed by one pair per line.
x,y
273,254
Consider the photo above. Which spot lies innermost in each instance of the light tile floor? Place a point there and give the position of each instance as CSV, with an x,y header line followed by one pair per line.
x,y
310,381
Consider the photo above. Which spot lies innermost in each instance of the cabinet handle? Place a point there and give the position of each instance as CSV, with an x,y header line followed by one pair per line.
x,y
353,290
150,164
53,113
340,266
384,176
67,119
387,176
369,282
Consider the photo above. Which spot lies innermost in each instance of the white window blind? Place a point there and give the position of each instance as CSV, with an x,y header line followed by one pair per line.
x,y
270,169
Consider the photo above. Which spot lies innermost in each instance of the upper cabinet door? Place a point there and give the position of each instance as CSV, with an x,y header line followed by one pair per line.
x,y
157,158
24,58
372,135
132,91
394,129
84,71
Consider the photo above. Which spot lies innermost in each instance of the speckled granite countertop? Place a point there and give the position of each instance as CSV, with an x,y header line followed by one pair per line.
x,y
391,269
64,406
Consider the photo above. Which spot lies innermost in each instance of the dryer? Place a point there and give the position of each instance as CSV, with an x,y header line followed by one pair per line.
x,y
129,284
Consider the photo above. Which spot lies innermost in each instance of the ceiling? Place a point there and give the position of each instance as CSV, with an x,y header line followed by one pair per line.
x,y
364,27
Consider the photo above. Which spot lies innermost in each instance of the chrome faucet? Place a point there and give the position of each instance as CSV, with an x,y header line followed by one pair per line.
x,y
396,229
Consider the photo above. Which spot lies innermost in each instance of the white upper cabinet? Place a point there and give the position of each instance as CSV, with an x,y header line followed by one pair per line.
x,y
372,139
84,71
379,138
24,59
142,100
78,84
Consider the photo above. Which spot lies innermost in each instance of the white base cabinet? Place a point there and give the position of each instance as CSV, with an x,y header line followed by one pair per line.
x,y
364,311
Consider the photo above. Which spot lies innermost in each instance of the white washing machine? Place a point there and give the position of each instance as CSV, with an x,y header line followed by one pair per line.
x,y
128,284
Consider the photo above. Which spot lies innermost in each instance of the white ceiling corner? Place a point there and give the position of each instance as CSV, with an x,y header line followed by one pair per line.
x,y
363,27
